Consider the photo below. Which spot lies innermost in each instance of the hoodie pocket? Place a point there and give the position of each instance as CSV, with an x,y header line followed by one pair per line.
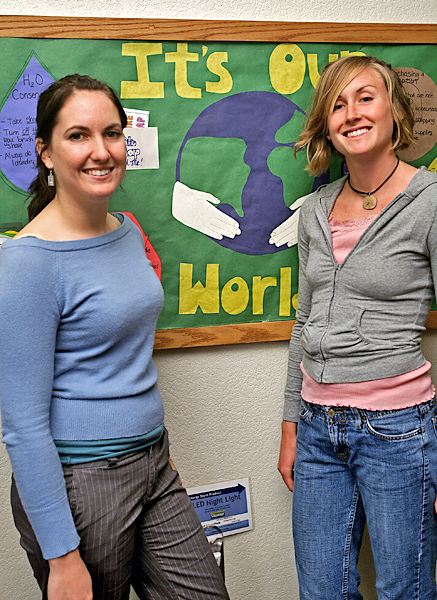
x,y
381,327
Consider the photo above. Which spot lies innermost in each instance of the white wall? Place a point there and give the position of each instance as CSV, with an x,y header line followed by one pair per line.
x,y
344,11
223,404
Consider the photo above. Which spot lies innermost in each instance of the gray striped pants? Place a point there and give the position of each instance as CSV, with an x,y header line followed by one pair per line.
x,y
137,527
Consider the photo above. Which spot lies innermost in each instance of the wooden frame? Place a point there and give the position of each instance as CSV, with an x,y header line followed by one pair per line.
x,y
218,30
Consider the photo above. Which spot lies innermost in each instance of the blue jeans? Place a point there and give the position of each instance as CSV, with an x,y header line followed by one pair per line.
x,y
354,466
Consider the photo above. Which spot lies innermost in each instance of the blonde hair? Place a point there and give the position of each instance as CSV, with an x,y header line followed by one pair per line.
x,y
334,78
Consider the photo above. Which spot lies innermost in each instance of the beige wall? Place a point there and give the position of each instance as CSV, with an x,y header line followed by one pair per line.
x,y
223,404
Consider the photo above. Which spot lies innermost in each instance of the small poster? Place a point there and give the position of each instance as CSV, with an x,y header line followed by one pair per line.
x,y
223,506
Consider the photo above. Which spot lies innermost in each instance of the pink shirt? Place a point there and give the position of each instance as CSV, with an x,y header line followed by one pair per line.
x,y
390,393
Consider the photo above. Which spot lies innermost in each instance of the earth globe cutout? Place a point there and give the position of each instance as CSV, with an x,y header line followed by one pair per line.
x,y
255,118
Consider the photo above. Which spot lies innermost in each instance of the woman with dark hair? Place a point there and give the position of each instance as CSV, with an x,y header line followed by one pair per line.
x,y
42,189
358,436
94,495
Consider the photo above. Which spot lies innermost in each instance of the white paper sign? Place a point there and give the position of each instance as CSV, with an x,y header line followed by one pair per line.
x,y
142,150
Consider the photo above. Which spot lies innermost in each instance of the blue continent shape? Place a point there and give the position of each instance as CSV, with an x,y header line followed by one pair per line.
x,y
255,118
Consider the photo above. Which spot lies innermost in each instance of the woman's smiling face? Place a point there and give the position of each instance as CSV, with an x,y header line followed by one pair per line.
x,y
87,151
361,121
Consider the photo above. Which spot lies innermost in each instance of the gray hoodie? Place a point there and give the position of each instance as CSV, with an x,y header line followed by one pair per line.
x,y
362,319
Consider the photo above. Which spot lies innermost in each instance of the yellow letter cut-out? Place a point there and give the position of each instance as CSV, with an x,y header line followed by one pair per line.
x,y
235,301
214,64
285,292
260,284
192,297
143,88
313,66
287,76
313,69
180,59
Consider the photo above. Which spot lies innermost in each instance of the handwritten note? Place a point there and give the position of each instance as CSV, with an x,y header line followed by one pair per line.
x,y
17,125
142,151
423,94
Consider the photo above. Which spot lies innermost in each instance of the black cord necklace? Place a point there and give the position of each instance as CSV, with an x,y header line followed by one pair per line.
x,y
369,201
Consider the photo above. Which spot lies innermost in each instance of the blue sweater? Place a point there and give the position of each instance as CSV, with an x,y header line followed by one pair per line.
x,y
77,322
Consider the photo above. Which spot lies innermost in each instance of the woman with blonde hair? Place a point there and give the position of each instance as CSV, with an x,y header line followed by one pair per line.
x,y
358,436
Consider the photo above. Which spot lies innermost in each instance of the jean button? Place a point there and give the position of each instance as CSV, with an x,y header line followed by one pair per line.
x,y
331,412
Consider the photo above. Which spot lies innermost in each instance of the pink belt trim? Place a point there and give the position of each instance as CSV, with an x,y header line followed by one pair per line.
x,y
391,393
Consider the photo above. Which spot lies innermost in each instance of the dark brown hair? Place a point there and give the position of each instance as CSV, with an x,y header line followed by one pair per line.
x,y
50,103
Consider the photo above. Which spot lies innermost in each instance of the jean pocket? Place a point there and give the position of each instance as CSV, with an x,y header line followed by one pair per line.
x,y
434,424
393,427
305,412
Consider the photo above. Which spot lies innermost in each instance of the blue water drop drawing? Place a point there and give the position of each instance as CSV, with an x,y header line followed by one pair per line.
x,y
18,125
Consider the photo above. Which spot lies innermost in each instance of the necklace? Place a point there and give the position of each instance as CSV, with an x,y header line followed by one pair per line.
x,y
369,201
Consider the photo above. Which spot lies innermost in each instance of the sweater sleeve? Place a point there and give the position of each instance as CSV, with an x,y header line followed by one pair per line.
x,y
432,243
29,318
293,384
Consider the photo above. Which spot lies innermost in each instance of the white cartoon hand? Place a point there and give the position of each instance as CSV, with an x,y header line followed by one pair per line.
x,y
286,232
195,209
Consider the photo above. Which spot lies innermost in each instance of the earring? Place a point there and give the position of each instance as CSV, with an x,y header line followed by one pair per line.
x,y
50,179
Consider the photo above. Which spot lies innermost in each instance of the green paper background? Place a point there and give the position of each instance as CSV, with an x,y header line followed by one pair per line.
x,y
148,193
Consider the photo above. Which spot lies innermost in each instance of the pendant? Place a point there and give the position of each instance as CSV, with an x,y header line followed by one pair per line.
x,y
369,202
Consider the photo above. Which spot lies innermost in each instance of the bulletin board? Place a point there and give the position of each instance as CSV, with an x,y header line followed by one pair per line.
x,y
225,102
